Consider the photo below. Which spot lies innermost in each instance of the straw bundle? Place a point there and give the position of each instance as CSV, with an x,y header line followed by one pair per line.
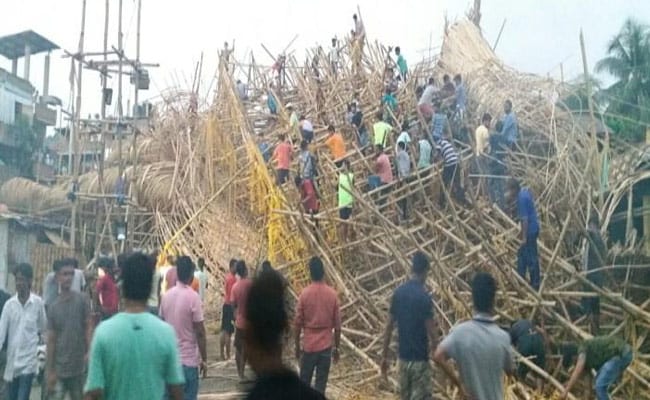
x,y
23,195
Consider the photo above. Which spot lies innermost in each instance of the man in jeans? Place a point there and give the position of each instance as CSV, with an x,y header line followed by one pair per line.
x,y
317,315
181,308
411,309
22,323
608,355
70,329
527,257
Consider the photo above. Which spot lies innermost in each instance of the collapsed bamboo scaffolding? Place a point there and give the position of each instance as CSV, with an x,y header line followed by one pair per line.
x,y
252,218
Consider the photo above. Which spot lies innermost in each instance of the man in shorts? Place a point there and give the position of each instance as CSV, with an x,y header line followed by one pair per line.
x,y
227,312
239,299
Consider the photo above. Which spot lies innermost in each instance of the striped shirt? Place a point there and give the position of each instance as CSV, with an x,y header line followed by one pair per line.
x,y
448,152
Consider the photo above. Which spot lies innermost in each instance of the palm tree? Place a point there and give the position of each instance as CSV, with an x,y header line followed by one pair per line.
x,y
628,60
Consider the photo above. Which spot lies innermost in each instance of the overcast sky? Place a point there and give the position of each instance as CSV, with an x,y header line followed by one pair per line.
x,y
538,35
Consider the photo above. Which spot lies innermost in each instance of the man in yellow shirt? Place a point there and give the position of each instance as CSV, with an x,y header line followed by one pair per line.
x,y
336,144
482,140
345,197
482,135
381,130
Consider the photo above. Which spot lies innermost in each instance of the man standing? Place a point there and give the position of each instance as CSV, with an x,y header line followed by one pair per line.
x,y
318,314
22,323
411,308
133,355
426,100
308,197
307,162
181,308
51,283
336,145
510,128
227,311
201,276
345,198
424,151
527,256
282,156
381,130
334,56
480,348
403,161
106,291
440,123
239,299
306,129
609,356
384,174
461,96
482,142
450,172
401,64
594,259
70,330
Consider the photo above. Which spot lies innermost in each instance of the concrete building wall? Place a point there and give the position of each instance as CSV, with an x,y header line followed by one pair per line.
x,y
9,96
4,252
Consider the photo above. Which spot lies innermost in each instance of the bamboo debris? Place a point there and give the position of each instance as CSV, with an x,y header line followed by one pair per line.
x,y
189,179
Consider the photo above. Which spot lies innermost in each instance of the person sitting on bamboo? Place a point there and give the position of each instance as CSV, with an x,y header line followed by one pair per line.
x,y
609,356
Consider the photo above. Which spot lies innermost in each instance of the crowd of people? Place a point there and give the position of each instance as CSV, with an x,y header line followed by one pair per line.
x,y
120,347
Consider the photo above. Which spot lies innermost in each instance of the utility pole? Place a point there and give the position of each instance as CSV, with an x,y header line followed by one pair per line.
x,y
594,134
76,128
135,121
120,50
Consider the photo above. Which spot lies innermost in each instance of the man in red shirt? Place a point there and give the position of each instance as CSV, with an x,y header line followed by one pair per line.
x,y
239,298
308,195
283,155
227,312
106,291
317,315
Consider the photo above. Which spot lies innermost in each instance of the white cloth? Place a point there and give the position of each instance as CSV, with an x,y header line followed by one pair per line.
x,y
334,56
242,90
403,137
307,126
21,325
427,95
359,29
202,277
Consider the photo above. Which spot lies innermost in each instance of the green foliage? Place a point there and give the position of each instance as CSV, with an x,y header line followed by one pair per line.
x,y
26,146
628,60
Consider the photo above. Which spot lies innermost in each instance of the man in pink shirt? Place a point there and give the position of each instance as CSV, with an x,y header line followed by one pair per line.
x,y
227,311
239,298
181,308
384,172
317,315
282,156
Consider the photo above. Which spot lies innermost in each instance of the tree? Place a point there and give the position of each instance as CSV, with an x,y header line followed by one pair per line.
x,y
628,60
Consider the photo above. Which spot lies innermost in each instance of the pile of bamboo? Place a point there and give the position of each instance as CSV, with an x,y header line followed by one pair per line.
x,y
556,159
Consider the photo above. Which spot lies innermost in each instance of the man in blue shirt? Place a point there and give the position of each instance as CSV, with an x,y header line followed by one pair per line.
x,y
510,129
439,124
527,257
461,95
412,309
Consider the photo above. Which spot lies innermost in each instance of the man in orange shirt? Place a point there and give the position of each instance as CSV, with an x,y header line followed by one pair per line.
x,y
336,145
317,315
282,156
239,300
227,312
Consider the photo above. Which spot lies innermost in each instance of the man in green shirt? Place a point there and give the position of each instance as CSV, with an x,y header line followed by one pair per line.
x,y
346,200
609,356
381,130
133,355
401,64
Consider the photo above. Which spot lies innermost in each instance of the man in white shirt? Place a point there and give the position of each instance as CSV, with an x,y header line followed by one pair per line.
x,y
334,56
51,285
425,104
23,321
202,277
